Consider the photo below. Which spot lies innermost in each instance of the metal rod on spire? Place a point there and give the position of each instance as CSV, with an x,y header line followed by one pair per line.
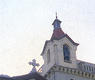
x,y
56,15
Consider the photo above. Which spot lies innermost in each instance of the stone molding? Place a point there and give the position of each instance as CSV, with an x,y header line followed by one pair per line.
x,y
70,71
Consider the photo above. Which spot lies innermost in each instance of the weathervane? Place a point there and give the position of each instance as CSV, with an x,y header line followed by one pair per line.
x,y
34,64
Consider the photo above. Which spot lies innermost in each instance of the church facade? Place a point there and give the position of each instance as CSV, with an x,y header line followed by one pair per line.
x,y
60,62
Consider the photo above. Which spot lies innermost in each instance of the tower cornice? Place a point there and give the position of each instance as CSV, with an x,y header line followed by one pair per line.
x,y
73,71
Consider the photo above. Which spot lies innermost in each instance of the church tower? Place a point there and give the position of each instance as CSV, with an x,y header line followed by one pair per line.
x,y
59,55
59,50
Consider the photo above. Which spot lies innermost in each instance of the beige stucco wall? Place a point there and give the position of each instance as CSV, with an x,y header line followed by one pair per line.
x,y
56,54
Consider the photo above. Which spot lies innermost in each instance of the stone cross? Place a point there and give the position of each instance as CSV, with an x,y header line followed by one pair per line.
x,y
34,64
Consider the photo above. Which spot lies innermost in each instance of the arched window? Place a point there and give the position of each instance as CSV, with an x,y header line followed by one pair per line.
x,y
66,52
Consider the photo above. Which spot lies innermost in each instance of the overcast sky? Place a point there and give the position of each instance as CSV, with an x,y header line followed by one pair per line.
x,y
26,24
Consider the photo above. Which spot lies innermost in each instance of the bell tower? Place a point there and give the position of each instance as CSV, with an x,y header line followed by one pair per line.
x,y
59,50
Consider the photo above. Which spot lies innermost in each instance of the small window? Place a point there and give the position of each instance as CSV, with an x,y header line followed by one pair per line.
x,y
66,52
92,69
48,56
84,67
89,68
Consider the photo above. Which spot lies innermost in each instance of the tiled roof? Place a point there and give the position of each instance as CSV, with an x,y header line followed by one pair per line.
x,y
5,78
56,37
57,33
35,76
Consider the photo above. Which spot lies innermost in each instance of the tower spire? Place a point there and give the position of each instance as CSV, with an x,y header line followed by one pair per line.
x,y
57,32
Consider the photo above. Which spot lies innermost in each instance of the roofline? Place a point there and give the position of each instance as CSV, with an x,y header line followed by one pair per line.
x,y
45,46
59,39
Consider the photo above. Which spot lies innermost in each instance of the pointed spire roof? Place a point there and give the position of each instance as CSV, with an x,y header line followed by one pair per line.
x,y
58,32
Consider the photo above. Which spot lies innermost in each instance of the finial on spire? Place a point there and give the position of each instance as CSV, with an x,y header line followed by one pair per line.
x,y
56,15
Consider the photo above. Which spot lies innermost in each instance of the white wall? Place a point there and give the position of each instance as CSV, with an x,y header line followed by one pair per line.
x,y
57,56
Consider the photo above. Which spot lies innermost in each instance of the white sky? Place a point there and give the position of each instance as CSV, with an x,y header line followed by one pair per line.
x,y
26,24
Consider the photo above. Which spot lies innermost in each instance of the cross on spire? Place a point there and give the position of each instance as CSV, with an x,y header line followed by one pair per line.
x,y
34,64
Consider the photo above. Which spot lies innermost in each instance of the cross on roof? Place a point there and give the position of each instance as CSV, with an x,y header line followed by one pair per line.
x,y
34,64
